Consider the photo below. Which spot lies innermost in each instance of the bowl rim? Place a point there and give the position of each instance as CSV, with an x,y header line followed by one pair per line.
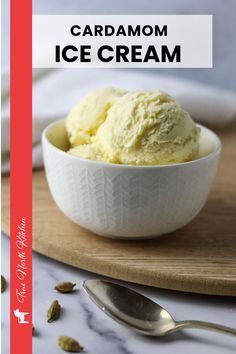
x,y
209,156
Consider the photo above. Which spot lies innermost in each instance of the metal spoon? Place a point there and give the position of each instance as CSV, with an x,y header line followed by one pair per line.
x,y
139,313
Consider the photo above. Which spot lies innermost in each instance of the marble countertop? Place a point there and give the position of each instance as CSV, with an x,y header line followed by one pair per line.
x,y
98,333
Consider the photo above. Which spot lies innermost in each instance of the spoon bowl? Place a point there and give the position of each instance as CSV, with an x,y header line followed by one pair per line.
x,y
129,307
138,312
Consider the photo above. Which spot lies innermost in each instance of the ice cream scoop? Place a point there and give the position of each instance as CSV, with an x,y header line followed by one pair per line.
x,y
85,118
136,128
88,151
148,128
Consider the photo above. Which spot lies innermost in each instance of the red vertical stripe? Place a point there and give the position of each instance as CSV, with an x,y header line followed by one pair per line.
x,y
21,175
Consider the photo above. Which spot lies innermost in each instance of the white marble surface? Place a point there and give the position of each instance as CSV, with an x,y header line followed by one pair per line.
x,y
99,334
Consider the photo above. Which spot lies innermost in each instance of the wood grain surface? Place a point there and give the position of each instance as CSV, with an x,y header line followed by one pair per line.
x,y
199,258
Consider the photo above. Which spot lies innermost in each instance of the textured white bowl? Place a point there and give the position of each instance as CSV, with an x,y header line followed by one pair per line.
x,y
123,201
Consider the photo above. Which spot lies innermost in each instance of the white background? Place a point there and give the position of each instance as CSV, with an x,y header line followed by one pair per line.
x,y
192,32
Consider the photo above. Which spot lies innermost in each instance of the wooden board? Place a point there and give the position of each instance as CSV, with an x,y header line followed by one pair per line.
x,y
199,258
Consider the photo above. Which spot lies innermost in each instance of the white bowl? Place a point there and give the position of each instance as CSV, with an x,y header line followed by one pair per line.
x,y
123,201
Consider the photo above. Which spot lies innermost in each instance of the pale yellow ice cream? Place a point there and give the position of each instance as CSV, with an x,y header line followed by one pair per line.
x,y
142,128
148,128
88,151
85,118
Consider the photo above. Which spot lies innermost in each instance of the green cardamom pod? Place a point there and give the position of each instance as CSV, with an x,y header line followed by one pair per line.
x,y
54,311
65,287
69,344
3,284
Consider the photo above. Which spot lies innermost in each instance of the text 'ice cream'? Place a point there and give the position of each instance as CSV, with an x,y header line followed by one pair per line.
x,y
137,128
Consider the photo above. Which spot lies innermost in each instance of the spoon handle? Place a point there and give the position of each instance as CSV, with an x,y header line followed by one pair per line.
x,y
206,325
